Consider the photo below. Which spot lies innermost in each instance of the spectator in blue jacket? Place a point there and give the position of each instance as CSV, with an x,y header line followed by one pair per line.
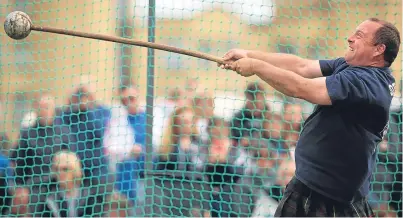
x,y
86,121
125,144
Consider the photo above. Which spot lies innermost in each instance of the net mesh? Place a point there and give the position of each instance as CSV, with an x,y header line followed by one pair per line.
x,y
88,97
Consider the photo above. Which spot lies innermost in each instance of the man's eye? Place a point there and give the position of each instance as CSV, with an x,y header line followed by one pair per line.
x,y
358,35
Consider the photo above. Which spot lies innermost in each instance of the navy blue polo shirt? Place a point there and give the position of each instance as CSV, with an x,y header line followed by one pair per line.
x,y
336,151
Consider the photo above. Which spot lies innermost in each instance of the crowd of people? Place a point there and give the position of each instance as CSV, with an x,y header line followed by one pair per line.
x,y
88,159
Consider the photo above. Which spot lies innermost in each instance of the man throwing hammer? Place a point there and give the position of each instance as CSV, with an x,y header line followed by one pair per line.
x,y
336,151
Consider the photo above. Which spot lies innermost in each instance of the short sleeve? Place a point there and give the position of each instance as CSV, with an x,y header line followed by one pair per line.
x,y
329,66
352,86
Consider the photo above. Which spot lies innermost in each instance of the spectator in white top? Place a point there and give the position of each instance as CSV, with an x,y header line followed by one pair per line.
x,y
125,135
162,112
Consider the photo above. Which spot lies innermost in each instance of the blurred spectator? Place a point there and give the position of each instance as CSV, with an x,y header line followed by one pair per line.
x,y
233,194
163,110
266,173
191,85
86,122
4,150
32,156
383,179
293,119
5,167
177,145
29,119
284,174
265,161
179,190
274,132
252,126
125,144
126,133
394,158
86,87
175,196
118,206
66,193
203,106
5,195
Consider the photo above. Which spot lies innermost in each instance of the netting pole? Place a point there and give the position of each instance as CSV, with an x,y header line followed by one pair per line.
x,y
149,106
124,52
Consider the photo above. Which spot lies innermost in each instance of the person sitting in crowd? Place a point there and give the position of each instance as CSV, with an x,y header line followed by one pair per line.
x,y
66,193
5,164
126,132
125,145
203,106
284,175
233,188
86,124
177,184
177,141
383,178
254,124
32,155
5,194
162,111
293,119
5,176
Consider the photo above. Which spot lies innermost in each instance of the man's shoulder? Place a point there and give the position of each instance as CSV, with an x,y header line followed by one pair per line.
x,y
379,76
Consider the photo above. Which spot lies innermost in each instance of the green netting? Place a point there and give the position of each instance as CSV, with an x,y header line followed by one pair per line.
x,y
65,93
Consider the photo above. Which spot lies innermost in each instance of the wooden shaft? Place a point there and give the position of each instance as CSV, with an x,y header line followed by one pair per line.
x,y
129,42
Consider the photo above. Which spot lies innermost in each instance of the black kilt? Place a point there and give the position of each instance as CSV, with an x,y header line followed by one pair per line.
x,y
301,201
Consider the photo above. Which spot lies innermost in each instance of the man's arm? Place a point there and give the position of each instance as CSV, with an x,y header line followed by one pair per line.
x,y
292,84
304,67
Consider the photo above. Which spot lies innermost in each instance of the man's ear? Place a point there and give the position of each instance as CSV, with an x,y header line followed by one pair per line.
x,y
380,49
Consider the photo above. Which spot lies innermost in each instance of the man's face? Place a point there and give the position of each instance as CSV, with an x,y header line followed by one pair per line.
x,y
206,105
361,49
83,99
129,99
186,123
220,144
46,110
64,173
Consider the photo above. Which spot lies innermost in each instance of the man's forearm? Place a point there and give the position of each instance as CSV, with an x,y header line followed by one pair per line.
x,y
285,81
284,61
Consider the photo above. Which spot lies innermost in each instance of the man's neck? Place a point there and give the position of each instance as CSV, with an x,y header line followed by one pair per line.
x,y
377,63
71,190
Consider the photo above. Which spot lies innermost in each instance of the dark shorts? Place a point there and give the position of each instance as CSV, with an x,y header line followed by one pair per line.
x,y
299,200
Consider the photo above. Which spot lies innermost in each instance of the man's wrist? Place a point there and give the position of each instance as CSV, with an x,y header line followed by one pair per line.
x,y
257,65
249,53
